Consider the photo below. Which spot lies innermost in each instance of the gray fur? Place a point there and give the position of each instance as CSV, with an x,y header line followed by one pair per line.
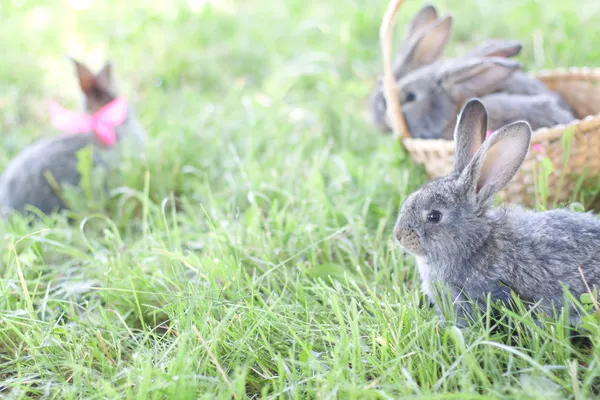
x,y
541,110
431,97
476,250
497,48
424,42
426,38
519,82
24,181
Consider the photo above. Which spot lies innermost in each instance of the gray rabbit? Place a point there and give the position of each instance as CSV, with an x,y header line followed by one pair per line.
x,y
431,97
425,41
464,245
27,178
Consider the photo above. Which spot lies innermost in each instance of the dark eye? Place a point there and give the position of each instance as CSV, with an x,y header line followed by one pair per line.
x,y
434,216
410,96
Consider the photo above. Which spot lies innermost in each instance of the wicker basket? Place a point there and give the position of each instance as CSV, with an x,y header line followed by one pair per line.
x,y
580,87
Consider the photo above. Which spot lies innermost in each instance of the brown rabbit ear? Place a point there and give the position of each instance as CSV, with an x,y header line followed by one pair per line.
x,y
104,78
475,77
86,77
497,48
469,134
427,15
424,48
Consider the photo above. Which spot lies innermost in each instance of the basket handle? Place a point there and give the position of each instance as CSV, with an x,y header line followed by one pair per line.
x,y
390,89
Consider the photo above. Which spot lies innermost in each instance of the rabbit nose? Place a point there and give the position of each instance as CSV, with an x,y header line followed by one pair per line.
x,y
402,232
408,238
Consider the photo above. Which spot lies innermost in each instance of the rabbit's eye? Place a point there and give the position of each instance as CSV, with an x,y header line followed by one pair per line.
x,y
410,96
434,216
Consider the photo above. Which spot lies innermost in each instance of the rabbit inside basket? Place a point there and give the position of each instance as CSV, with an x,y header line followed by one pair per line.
x,y
432,90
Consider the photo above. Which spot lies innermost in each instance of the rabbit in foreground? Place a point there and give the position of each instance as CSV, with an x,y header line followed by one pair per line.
x,y
462,242
25,180
423,45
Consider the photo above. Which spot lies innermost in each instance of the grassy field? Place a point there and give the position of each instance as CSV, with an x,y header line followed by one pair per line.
x,y
250,254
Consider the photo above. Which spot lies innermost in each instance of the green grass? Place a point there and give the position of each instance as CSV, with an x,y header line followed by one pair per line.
x,y
250,255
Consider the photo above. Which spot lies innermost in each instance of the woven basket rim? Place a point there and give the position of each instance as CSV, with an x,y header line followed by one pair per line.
x,y
541,134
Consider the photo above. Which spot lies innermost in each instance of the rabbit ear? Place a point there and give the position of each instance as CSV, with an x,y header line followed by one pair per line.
x,y
425,47
87,79
424,17
475,77
104,78
497,161
497,48
469,133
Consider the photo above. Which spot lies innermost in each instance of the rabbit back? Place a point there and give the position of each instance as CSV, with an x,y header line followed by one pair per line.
x,y
24,181
541,111
535,254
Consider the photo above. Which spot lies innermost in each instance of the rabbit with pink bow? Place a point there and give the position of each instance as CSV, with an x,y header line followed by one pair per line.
x,y
37,174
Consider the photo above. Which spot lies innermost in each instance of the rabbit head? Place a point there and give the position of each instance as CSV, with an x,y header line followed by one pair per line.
x,y
425,40
431,96
446,218
100,89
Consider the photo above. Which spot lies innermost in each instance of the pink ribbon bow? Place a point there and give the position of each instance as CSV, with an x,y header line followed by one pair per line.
x,y
102,123
535,147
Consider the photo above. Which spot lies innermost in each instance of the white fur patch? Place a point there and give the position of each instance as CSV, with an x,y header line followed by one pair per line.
x,y
425,273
